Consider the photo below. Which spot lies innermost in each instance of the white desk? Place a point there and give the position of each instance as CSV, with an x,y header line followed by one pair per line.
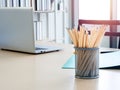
x,y
20,71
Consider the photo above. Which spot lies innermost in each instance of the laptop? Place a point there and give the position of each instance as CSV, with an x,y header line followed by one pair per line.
x,y
17,31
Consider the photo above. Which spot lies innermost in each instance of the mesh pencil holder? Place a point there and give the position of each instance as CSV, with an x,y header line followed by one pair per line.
x,y
86,63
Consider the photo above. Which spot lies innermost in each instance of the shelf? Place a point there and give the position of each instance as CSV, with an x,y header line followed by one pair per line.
x,y
47,11
60,11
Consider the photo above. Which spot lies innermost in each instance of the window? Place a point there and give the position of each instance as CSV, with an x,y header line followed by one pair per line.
x,y
101,10
94,9
118,9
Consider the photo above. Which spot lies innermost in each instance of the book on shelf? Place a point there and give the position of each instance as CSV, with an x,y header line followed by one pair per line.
x,y
60,5
43,5
35,30
22,3
49,5
33,4
51,27
52,4
9,3
37,26
39,31
39,5
3,3
44,27
28,3
15,3
0,3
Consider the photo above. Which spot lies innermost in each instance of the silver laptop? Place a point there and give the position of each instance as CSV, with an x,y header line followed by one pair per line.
x,y
17,31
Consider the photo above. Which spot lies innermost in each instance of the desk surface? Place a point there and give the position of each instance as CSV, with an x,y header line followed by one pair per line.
x,y
20,71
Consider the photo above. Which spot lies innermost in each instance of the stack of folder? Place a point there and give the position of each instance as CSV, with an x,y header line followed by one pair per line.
x,y
109,60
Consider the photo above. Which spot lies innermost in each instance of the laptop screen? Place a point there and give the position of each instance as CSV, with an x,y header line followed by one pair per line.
x,y
16,29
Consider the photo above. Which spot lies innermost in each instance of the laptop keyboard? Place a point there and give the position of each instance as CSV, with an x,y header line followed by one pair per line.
x,y
37,48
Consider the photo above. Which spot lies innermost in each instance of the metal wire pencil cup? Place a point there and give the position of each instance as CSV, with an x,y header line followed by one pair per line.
x,y
87,63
